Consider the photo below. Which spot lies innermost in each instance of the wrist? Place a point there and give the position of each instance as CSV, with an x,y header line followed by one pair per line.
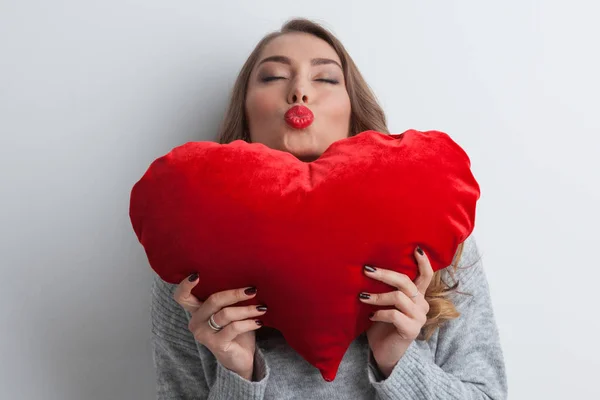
x,y
387,363
386,370
380,371
247,375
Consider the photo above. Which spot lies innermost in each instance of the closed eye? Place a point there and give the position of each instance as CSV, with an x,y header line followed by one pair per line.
x,y
332,81
273,78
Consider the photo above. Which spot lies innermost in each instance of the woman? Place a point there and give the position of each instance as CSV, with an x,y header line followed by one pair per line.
x,y
438,343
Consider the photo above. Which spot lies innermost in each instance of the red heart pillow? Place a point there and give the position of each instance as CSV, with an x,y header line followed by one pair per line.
x,y
244,214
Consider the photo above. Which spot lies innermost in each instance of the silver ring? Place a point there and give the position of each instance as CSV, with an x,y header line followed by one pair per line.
x,y
416,294
213,325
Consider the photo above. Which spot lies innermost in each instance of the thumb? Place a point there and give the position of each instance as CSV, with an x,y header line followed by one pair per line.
x,y
183,294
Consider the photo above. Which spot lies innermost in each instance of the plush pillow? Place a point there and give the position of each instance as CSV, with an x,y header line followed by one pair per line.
x,y
243,214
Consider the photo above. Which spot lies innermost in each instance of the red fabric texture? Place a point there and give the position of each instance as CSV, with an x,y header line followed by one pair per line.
x,y
242,214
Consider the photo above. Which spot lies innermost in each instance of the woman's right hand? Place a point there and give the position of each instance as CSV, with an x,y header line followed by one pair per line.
x,y
235,344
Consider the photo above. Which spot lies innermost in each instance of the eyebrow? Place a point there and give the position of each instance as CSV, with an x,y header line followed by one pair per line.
x,y
314,61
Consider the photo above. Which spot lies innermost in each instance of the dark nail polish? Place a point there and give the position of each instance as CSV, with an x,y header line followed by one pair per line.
x,y
365,296
368,268
193,277
371,315
419,250
250,291
261,308
259,322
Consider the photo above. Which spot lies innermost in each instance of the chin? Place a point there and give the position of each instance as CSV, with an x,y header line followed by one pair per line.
x,y
304,154
308,158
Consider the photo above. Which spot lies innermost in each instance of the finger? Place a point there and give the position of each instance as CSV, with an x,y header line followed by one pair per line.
x,y
228,315
236,328
406,327
227,298
425,270
396,298
395,279
183,294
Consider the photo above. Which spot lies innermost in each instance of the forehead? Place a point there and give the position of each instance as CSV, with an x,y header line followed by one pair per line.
x,y
299,47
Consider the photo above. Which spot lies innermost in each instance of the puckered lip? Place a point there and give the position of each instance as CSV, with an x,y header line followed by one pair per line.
x,y
299,116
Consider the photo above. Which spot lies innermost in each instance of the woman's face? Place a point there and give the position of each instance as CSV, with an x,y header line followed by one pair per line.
x,y
303,69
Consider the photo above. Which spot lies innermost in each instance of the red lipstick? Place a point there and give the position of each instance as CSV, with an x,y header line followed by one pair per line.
x,y
299,117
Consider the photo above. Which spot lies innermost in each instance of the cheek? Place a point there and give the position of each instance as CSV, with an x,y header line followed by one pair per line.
x,y
259,105
339,105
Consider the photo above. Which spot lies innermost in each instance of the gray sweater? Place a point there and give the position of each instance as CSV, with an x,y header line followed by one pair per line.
x,y
462,360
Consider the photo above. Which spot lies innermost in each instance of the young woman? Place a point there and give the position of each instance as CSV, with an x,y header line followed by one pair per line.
x,y
299,91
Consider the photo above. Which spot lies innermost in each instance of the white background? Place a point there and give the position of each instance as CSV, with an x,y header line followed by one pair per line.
x,y
92,92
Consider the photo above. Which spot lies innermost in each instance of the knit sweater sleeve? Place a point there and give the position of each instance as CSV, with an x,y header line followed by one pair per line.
x,y
468,361
185,369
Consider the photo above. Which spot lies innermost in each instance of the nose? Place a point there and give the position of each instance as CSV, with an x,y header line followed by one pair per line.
x,y
297,92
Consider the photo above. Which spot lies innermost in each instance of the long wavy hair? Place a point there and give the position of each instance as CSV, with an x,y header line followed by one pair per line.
x,y
366,114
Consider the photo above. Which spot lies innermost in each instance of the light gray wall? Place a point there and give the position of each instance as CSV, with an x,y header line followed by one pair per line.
x,y
92,92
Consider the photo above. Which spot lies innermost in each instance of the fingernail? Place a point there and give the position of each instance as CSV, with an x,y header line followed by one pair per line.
x,y
419,250
371,315
261,308
193,277
368,268
259,322
365,296
250,291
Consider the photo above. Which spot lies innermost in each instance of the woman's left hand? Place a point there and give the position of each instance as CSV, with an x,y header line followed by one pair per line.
x,y
394,330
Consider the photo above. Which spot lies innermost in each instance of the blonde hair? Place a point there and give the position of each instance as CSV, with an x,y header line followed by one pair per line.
x,y
366,114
